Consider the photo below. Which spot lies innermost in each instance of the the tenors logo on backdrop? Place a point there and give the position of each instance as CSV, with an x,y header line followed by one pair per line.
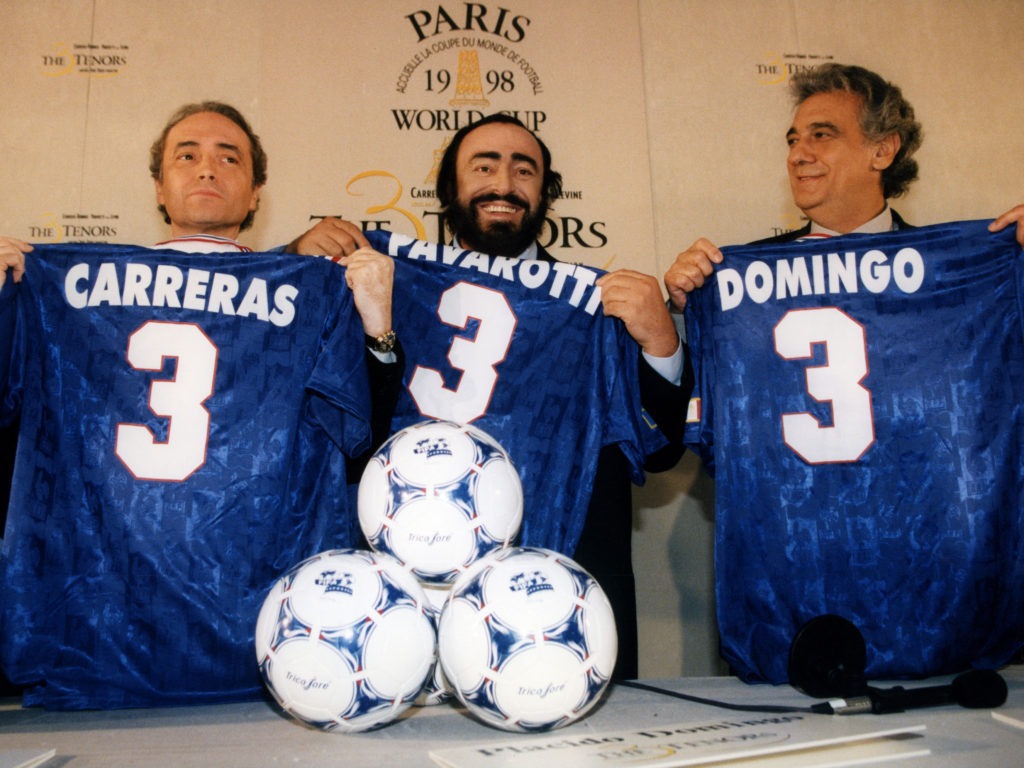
x,y
464,61
775,69
74,228
93,59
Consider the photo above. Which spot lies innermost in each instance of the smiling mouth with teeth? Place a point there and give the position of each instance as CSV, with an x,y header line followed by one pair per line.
x,y
499,208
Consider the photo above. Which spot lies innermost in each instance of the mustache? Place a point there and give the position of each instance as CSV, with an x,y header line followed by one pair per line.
x,y
494,197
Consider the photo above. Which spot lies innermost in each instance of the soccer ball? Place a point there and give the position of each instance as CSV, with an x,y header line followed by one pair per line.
x,y
527,640
344,640
438,496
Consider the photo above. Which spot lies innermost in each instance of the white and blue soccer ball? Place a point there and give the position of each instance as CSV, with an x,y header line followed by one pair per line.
x,y
344,640
438,496
527,640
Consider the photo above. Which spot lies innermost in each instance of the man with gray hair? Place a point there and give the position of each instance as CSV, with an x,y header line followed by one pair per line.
x,y
809,395
851,147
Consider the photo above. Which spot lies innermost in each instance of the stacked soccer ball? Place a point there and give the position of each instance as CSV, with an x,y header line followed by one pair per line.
x,y
527,640
439,496
346,640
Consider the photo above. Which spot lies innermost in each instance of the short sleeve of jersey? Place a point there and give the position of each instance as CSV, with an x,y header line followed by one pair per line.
x,y
522,350
861,401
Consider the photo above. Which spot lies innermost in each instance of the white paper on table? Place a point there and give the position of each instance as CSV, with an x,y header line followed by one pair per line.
x,y
24,758
814,740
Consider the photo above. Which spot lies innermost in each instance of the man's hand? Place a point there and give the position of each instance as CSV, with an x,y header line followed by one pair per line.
x,y
636,299
329,237
689,271
12,258
1015,214
370,275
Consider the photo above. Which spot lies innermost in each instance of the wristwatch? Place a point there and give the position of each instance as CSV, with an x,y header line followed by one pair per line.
x,y
383,343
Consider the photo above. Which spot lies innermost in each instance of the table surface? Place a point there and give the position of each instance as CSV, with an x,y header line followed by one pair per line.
x,y
257,734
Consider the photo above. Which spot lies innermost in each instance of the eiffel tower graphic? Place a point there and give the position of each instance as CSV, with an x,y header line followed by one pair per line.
x,y
438,154
469,90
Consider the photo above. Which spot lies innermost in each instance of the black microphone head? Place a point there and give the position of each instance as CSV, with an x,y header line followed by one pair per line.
x,y
979,689
827,658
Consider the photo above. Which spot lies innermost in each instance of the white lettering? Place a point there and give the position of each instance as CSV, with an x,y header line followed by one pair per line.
x,y
137,279
73,294
572,283
533,273
875,271
137,285
284,305
105,289
908,270
817,275
758,281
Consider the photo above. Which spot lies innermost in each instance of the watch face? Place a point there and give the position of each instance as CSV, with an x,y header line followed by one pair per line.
x,y
383,343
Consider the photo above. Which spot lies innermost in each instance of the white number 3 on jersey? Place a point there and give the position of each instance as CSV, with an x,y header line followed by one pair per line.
x,y
838,381
477,358
179,400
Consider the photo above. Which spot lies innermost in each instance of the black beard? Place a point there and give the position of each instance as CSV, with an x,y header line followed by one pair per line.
x,y
500,239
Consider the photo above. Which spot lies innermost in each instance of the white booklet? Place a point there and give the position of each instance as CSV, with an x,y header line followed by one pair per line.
x,y
1011,716
24,758
790,740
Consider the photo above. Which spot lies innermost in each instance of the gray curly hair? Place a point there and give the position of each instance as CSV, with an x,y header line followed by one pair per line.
x,y
884,112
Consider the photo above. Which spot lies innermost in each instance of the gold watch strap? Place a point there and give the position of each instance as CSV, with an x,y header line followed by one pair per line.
x,y
383,343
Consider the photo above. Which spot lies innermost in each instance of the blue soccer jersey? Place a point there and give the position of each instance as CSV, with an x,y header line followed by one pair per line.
x,y
522,350
183,426
860,402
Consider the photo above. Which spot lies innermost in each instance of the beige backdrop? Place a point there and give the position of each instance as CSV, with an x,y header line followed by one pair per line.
x,y
666,117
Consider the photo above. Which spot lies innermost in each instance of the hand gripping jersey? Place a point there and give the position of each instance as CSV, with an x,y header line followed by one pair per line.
x,y
183,420
521,349
860,400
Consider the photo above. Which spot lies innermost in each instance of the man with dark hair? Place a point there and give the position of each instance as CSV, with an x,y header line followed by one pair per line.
x,y
502,238
209,168
495,185
257,155
851,147
233,466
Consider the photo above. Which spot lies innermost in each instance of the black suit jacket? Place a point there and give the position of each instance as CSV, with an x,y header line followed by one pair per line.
x,y
788,237
605,546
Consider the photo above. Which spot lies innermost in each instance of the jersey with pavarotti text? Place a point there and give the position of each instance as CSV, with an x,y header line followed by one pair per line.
x,y
183,426
521,349
860,401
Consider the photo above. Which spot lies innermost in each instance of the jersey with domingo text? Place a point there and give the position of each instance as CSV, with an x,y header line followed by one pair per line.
x,y
859,400
183,425
521,349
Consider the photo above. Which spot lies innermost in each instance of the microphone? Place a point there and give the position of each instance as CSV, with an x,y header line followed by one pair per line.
x,y
976,689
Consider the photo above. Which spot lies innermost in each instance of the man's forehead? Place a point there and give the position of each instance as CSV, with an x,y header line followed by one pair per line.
x,y
828,108
501,140
208,127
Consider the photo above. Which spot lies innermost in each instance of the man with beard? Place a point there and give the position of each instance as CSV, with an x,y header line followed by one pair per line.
x,y
495,185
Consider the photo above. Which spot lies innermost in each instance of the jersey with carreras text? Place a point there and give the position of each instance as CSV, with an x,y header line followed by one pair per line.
x,y
183,425
861,402
521,349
